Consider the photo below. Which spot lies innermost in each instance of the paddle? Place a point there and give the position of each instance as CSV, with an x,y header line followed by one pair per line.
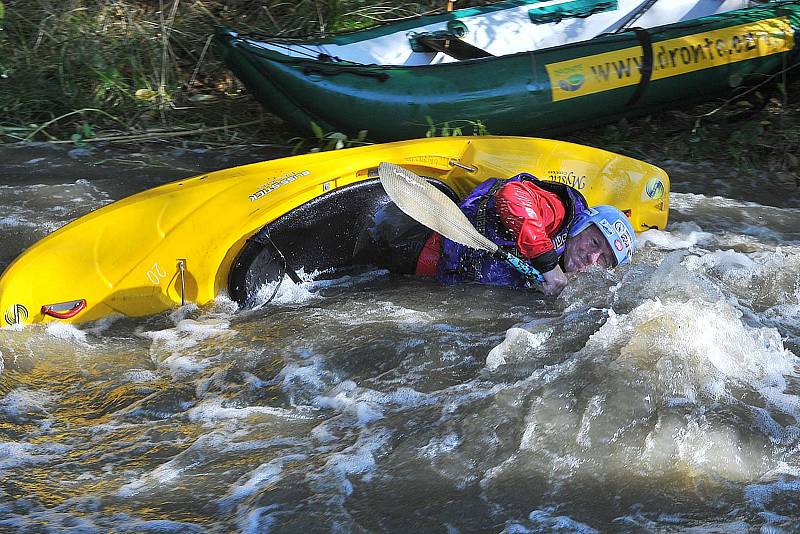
x,y
424,203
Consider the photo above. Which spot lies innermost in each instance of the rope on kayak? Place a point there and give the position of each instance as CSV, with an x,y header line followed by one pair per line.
x,y
277,287
333,71
326,61
182,272
328,64
285,269
298,48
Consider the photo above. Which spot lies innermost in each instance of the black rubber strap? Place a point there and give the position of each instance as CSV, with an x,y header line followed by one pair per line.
x,y
453,47
263,238
355,69
646,68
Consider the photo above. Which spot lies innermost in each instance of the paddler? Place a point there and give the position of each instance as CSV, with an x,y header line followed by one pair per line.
x,y
547,223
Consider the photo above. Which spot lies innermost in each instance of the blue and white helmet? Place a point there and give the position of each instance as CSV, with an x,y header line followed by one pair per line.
x,y
615,227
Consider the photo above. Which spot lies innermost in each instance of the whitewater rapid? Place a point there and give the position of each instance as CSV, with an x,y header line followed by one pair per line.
x,y
661,397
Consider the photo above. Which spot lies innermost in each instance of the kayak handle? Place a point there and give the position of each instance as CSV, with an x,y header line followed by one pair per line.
x,y
468,168
77,307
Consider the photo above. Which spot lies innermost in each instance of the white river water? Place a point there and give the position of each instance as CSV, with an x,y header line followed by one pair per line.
x,y
661,397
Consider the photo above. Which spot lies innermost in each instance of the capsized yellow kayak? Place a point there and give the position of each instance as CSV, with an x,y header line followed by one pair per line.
x,y
190,240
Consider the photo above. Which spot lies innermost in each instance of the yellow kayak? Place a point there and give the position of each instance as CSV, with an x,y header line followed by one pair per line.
x,y
190,240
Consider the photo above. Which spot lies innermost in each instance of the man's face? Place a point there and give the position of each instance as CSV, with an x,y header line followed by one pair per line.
x,y
587,249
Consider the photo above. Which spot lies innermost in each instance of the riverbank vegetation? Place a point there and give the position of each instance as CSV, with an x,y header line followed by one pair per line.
x,y
77,70
82,71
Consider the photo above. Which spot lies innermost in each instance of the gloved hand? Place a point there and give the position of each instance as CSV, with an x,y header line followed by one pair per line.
x,y
554,282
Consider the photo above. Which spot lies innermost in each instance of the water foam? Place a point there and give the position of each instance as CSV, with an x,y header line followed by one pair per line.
x,y
518,343
65,331
187,334
700,348
17,454
215,409
286,291
358,459
283,292
762,494
164,474
266,474
139,376
23,402
679,236
364,412
368,405
760,279
547,519
304,381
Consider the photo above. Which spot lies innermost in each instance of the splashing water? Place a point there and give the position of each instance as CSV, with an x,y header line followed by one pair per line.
x,y
661,397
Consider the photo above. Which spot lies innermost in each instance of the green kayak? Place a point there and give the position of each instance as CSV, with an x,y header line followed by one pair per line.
x,y
518,67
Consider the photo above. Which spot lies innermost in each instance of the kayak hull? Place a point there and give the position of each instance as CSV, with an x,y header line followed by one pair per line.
x,y
562,88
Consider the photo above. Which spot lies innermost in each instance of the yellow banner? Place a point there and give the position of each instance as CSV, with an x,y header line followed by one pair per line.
x,y
673,57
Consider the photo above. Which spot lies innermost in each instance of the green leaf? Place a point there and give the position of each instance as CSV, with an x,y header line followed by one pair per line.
x,y
86,131
317,129
298,145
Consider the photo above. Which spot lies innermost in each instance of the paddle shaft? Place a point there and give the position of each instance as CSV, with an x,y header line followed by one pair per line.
x,y
520,265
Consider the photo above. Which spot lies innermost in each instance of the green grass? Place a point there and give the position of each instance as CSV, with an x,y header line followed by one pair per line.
x,y
75,70
758,132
